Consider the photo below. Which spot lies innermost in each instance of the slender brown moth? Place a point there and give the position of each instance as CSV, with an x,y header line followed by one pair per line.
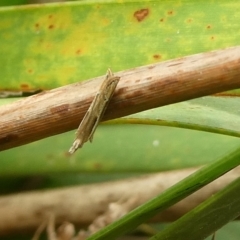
x,y
95,112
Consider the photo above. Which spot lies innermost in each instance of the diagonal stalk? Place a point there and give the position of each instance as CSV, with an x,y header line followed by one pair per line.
x,y
52,112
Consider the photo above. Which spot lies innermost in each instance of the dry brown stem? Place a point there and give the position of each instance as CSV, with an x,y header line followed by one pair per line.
x,y
60,110
97,205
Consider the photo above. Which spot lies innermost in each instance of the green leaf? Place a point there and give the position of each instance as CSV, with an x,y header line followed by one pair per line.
x,y
56,44
130,149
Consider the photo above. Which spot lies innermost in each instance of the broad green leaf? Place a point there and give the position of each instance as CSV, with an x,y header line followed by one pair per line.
x,y
118,148
49,45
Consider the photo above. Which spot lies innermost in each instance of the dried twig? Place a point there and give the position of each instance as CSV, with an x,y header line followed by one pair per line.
x,y
60,110
99,204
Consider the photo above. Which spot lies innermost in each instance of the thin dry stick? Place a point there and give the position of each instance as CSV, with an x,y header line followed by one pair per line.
x,y
60,110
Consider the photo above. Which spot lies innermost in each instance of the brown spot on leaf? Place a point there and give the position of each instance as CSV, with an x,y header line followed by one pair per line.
x,y
98,6
170,12
51,26
97,166
157,56
30,71
162,20
141,14
37,25
24,86
212,37
50,16
59,109
189,20
78,51
208,26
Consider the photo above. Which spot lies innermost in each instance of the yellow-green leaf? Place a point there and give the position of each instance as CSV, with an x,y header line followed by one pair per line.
x,y
44,46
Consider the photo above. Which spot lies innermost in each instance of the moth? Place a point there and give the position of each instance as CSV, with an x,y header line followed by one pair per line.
x,y
95,112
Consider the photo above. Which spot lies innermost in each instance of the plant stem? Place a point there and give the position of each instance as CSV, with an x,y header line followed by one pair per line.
x,y
52,112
